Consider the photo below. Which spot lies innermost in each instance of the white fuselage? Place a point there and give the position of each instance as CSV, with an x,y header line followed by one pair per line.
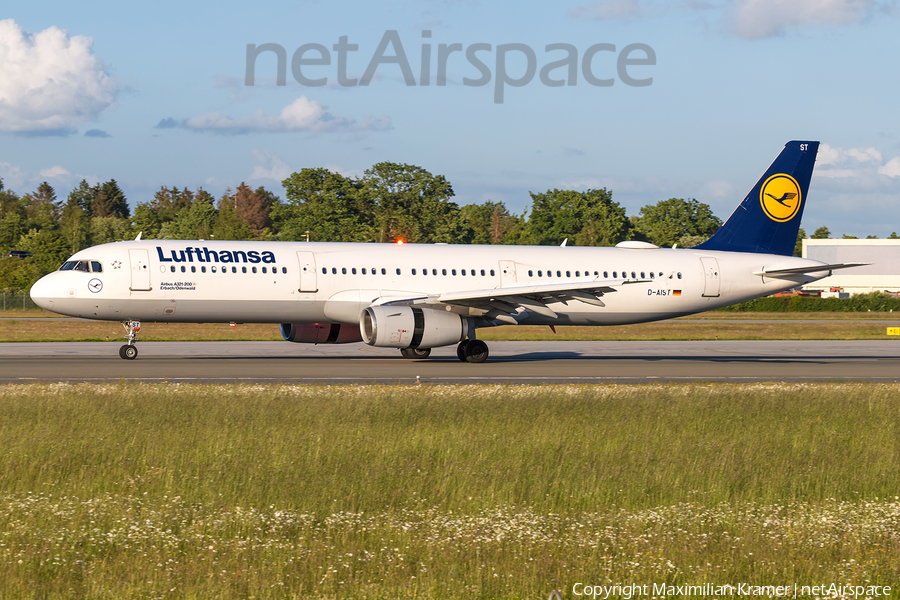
x,y
297,282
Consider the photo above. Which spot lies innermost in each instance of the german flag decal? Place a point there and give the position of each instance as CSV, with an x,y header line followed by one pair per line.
x,y
676,292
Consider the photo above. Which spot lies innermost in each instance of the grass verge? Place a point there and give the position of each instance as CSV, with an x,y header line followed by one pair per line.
x,y
130,490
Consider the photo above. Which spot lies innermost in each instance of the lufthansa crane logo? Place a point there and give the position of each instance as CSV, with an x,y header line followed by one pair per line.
x,y
780,197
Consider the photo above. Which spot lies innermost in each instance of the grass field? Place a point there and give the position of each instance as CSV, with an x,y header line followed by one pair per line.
x,y
175,491
22,327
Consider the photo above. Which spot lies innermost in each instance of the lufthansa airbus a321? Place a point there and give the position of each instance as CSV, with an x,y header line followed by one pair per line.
x,y
416,297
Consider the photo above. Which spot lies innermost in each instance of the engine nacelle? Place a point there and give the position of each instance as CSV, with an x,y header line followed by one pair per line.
x,y
320,333
408,327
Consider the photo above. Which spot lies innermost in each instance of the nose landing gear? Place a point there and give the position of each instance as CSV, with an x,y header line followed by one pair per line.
x,y
129,351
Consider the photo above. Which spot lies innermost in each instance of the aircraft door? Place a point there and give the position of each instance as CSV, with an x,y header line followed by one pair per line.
x,y
307,271
140,269
507,273
710,276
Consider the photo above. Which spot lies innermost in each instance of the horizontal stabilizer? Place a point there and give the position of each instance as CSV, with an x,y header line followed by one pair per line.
x,y
808,269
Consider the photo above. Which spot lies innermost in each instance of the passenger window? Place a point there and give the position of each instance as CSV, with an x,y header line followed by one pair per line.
x,y
549,273
96,267
324,270
213,268
540,273
633,276
492,272
234,269
482,272
284,269
243,269
643,276
193,269
453,272
531,273
183,269
463,272
353,270
679,276
343,270
577,273
568,273
596,274
434,271
424,271
398,271
254,269
363,270
203,269
413,271
383,271
652,275
263,269
615,275
172,268
443,271
606,274
334,270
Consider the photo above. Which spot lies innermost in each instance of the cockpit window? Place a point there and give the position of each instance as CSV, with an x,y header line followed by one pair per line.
x,y
87,266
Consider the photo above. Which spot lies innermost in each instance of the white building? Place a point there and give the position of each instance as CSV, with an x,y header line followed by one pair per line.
x,y
882,275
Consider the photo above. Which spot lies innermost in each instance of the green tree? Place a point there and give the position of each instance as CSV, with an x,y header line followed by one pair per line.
x,y
109,229
893,236
668,221
229,225
48,247
13,221
195,222
41,207
75,220
413,205
146,221
849,237
110,201
331,207
798,247
822,233
588,218
491,223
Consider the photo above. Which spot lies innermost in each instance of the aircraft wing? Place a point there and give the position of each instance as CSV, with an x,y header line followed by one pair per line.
x,y
502,302
808,269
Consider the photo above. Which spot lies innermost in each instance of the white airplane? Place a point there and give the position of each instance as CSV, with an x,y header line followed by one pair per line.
x,y
416,297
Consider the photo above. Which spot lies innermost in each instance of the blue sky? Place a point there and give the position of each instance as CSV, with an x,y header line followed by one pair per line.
x,y
155,95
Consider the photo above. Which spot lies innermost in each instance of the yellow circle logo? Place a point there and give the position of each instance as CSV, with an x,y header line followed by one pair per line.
x,y
780,197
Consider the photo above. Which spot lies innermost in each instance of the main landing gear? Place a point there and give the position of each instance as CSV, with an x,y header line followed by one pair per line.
x,y
473,351
129,351
415,352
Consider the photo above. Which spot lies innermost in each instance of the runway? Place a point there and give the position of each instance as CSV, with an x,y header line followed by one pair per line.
x,y
510,362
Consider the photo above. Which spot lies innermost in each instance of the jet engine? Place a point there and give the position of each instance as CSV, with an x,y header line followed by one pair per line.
x,y
408,327
320,333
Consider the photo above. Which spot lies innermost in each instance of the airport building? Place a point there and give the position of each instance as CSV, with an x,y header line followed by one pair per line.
x,y
882,275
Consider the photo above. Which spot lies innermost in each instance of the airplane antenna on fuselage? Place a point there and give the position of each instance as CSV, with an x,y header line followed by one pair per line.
x,y
138,238
564,242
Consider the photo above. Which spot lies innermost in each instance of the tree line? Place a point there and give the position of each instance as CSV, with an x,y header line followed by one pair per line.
x,y
389,202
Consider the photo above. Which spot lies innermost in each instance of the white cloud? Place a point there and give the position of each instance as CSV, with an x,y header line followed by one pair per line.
x,y
891,169
271,166
718,188
754,19
838,163
301,115
54,171
604,10
51,82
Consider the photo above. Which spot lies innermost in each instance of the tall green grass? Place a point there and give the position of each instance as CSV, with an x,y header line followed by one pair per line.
x,y
179,491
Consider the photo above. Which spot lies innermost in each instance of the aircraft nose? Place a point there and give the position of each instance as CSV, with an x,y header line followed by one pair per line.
x,y
45,291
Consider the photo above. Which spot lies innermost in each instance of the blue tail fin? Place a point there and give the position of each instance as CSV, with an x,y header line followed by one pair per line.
x,y
768,219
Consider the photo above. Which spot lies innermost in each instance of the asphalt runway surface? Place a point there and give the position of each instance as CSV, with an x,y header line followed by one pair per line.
x,y
510,362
